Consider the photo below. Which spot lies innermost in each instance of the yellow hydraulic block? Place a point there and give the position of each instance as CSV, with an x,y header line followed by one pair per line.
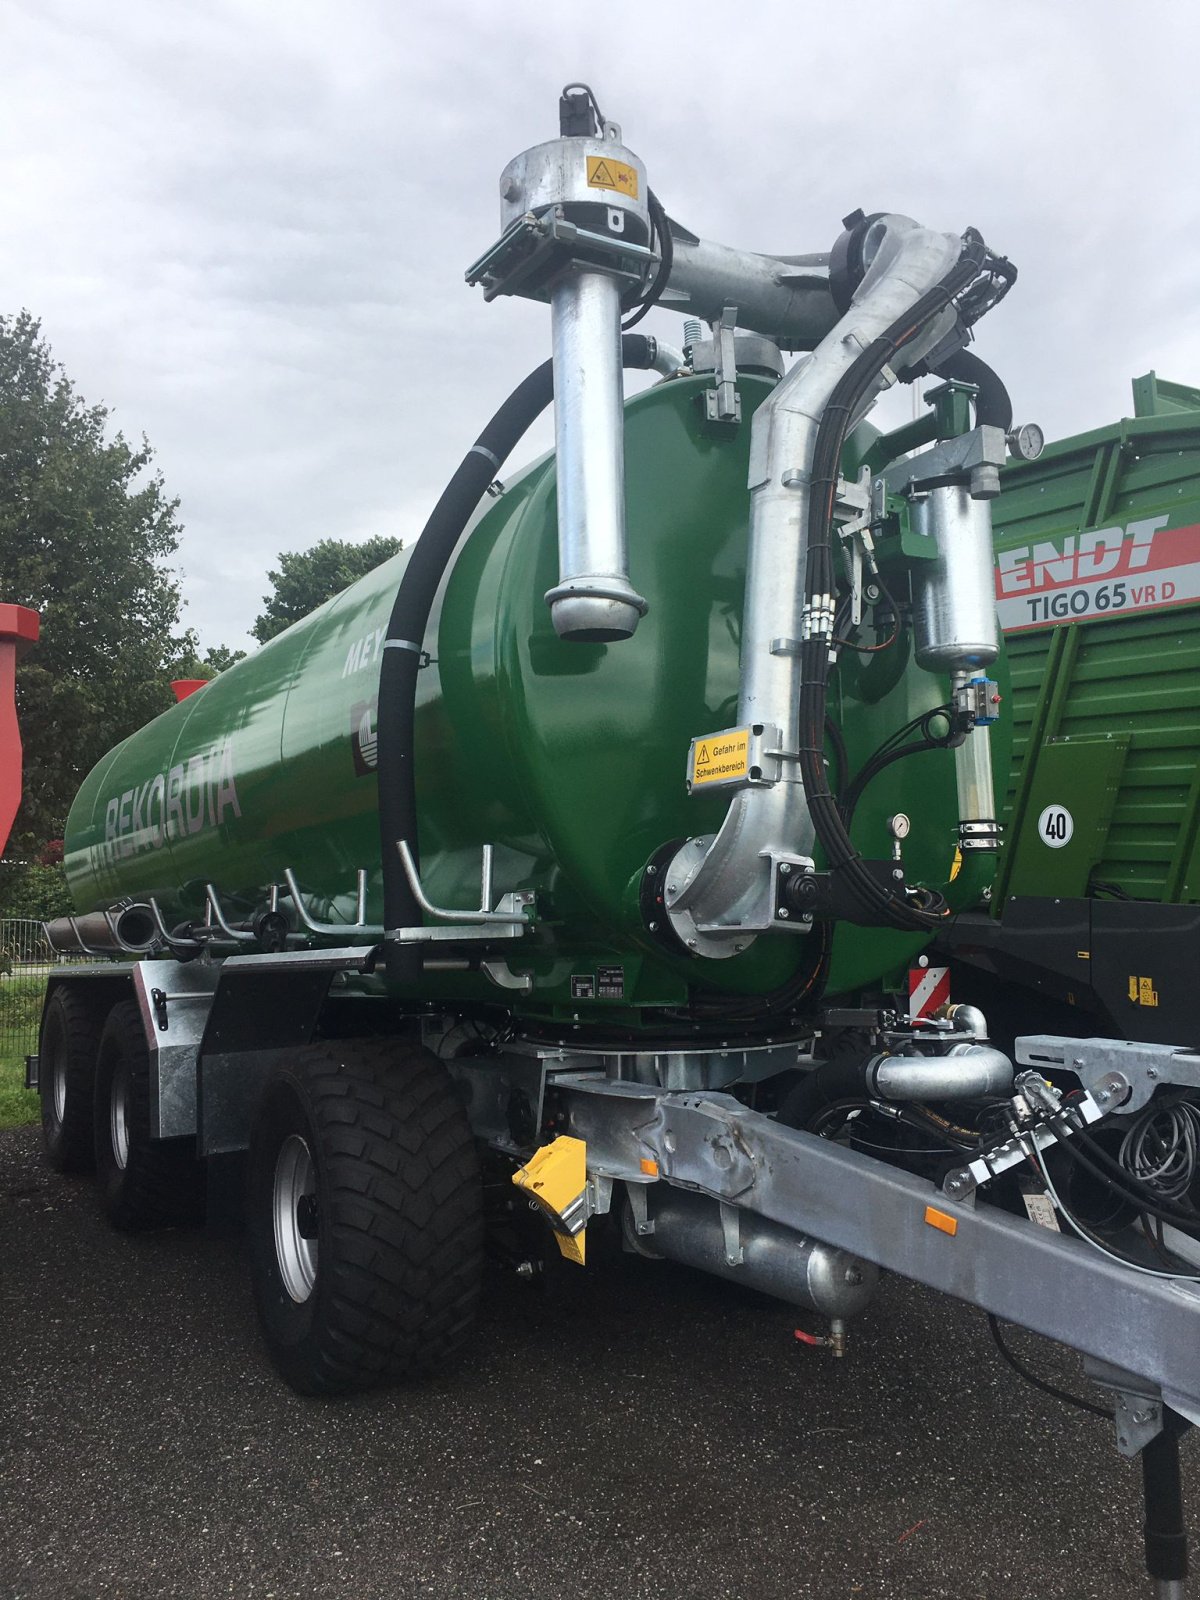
x,y
556,1178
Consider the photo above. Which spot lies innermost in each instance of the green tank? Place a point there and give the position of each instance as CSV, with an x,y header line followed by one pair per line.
x,y
569,758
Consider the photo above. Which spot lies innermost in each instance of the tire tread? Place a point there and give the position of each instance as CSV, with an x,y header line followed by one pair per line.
x,y
401,1190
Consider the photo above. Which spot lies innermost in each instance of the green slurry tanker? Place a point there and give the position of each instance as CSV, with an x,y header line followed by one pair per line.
x,y
615,839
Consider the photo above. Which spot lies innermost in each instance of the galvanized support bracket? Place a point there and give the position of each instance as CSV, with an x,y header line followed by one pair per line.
x,y
1122,1074
1137,1405
731,1233
723,403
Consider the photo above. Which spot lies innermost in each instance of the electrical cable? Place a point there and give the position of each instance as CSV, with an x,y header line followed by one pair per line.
x,y
1023,1371
653,292
1100,889
774,1001
587,89
872,649
1118,1177
1161,1148
1123,1191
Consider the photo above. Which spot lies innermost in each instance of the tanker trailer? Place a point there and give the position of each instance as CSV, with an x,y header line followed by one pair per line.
x,y
591,844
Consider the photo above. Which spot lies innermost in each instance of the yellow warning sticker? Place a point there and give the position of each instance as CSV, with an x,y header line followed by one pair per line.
x,y
1142,991
605,173
724,756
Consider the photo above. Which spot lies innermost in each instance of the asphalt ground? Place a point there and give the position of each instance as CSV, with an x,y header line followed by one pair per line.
x,y
627,1430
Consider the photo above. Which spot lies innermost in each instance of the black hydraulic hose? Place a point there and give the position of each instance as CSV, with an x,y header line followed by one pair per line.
x,y
406,633
831,1081
878,904
1119,1179
840,755
853,792
993,408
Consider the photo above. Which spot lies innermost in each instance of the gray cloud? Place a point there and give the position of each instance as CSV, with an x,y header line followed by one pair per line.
x,y
245,226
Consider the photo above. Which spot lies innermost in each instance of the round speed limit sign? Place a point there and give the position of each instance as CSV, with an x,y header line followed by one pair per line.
x,y
1055,826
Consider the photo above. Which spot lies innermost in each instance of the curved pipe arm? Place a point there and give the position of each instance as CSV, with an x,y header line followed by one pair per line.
x,y
969,1072
730,889
786,297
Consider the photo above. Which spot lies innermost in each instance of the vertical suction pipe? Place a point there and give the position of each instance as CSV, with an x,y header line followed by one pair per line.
x,y
593,602
588,192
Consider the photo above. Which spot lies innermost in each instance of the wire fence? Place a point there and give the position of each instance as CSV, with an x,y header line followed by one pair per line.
x,y
26,962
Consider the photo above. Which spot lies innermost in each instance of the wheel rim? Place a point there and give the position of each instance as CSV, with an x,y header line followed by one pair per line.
x,y
118,1116
58,1083
294,1209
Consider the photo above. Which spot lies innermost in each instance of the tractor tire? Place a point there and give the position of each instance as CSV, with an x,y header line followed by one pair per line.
x,y
365,1217
67,1046
143,1182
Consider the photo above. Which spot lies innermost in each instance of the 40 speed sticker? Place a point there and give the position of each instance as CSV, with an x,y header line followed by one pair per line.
x,y
1142,566
1056,827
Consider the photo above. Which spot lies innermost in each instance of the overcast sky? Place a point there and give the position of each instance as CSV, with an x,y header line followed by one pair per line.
x,y
244,223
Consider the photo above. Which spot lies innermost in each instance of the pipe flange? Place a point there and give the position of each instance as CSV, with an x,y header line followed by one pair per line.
x,y
681,869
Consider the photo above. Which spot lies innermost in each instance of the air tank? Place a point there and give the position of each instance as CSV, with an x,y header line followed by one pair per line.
x,y
954,613
570,758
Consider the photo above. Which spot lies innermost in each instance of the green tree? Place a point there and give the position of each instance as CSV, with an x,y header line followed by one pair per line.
x,y
307,578
217,658
86,528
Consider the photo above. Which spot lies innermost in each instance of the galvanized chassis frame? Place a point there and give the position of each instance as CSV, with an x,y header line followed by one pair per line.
x,y
1026,1274
710,1143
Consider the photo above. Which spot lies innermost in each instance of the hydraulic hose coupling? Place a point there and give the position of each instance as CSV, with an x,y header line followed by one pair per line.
x,y
585,200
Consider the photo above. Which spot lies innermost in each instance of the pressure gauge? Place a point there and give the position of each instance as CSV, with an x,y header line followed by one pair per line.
x,y
1027,441
899,825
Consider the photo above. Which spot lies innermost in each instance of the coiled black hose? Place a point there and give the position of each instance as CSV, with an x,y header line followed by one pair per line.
x,y
402,650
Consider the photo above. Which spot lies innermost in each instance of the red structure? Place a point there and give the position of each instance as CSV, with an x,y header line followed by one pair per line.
x,y
186,686
18,630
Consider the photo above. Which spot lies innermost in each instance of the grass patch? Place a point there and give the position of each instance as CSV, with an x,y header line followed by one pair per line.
x,y
21,996
19,1106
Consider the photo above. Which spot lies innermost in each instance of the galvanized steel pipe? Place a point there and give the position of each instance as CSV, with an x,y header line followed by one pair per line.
x,y
785,297
967,1072
593,601
730,890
